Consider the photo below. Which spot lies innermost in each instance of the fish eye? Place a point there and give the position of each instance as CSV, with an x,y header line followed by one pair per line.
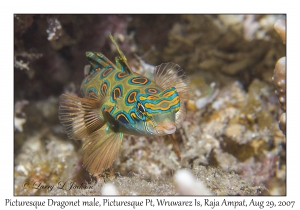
x,y
141,108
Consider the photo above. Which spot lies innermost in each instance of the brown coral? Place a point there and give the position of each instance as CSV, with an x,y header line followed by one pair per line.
x,y
279,26
279,78
279,81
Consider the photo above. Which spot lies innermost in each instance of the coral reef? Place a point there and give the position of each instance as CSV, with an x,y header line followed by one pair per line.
x,y
230,141
279,78
54,30
279,26
20,116
218,44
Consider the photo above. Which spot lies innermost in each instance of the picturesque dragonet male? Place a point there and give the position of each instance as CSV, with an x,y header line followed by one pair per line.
x,y
115,100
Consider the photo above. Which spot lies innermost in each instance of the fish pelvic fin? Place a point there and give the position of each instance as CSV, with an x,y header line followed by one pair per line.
x,y
100,149
80,116
175,147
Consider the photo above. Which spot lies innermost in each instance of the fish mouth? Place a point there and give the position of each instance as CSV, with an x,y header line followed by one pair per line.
x,y
166,129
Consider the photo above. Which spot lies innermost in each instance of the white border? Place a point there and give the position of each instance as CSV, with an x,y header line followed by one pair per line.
x,y
117,6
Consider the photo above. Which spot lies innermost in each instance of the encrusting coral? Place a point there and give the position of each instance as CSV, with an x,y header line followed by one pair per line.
x,y
279,78
279,26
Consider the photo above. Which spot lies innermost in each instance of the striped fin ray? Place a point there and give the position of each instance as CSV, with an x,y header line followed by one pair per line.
x,y
98,60
79,116
100,149
168,75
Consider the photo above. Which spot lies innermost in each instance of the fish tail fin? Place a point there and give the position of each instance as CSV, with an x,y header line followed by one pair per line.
x,y
100,149
80,116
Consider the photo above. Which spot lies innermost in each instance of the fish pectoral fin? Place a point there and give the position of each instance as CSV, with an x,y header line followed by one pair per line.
x,y
113,123
168,75
79,116
175,147
100,149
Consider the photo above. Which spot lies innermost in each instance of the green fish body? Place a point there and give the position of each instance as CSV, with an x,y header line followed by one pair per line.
x,y
115,100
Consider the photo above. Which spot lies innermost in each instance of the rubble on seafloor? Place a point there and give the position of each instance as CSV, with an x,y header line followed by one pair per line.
x,y
230,142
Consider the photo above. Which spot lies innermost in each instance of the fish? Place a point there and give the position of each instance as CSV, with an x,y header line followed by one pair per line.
x,y
114,100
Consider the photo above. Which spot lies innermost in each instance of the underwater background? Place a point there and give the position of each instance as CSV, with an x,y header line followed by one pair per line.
x,y
230,141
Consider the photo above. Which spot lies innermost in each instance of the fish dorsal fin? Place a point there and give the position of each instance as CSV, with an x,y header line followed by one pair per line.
x,y
79,116
98,61
168,75
121,60
124,67
100,149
